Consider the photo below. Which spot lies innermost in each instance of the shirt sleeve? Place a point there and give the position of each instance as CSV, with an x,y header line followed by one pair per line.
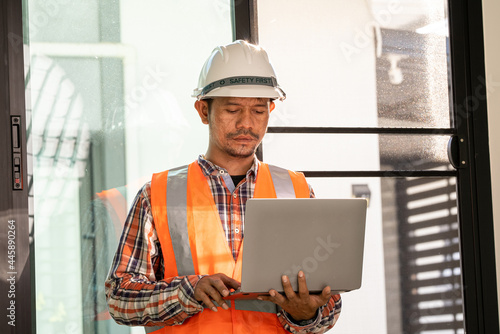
x,y
327,314
136,291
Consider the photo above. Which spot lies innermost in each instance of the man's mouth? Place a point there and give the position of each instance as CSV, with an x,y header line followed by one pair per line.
x,y
244,137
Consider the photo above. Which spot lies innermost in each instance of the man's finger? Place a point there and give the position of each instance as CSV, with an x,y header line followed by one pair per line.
x,y
219,285
230,282
326,294
215,295
208,302
287,287
303,290
273,297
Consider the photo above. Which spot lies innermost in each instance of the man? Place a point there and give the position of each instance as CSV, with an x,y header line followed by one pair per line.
x,y
180,251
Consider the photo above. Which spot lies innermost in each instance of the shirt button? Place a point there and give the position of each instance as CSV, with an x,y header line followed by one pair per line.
x,y
221,172
237,230
234,195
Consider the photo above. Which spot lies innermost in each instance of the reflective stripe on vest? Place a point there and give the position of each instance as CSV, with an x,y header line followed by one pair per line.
x,y
282,182
177,218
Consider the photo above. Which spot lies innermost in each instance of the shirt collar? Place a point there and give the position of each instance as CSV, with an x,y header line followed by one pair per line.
x,y
210,168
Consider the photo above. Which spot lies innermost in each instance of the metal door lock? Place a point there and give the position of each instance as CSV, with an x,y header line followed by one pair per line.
x,y
17,170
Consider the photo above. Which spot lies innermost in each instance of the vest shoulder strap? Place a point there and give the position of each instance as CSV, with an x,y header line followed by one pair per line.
x,y
168,201
286,183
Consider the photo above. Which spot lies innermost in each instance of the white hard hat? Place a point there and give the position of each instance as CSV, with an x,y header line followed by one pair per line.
x,y
239,69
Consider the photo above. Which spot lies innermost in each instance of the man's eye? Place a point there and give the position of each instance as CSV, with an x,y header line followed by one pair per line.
x,y
232,110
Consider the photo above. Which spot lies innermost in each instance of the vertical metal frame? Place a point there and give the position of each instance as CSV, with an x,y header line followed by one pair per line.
x,y
474,181
244,20
16,277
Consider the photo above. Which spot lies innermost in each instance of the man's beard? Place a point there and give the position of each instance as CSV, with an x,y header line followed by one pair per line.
x,y
240,153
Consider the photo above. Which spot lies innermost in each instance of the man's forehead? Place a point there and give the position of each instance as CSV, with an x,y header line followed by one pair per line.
x,y
243,101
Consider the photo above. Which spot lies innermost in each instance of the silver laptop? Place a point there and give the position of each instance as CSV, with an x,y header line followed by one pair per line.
x,y
322,237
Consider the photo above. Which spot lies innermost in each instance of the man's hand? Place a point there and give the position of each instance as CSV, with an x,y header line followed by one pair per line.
x,y
302,305
213,288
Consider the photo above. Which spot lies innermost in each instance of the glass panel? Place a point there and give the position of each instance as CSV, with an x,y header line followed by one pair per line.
x,y
359,63
109,85
380,63
342,152
411,261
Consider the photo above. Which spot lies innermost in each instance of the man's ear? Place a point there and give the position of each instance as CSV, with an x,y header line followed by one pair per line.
x,y
271,106
202,107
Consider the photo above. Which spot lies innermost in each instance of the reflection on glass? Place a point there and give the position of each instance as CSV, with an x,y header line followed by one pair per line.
x,y
108,87
412,72
360,63
415,240
60,143
422,259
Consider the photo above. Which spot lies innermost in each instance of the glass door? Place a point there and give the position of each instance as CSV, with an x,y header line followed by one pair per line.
x,y
368,115
109,87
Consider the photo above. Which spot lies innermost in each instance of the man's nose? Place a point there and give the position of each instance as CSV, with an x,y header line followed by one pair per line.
x,y
245,120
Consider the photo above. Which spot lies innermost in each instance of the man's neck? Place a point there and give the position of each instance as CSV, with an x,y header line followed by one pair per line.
x,y
233,165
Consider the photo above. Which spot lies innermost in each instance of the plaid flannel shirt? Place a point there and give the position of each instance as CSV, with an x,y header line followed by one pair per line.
x,y
137,292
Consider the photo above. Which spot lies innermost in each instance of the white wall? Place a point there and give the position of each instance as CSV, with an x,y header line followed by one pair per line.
x,y
491,9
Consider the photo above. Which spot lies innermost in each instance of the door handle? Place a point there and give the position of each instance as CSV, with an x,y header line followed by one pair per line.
x,y
457,152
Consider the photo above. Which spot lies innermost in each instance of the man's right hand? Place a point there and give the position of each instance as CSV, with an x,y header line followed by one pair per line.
x,y
214,288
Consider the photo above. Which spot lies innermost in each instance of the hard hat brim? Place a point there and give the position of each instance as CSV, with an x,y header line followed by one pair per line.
x,y
245,91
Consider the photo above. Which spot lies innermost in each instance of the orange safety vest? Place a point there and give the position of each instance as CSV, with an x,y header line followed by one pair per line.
x,y
184,210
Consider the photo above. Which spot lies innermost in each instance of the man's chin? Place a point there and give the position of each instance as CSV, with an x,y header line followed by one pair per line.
x,y
242,154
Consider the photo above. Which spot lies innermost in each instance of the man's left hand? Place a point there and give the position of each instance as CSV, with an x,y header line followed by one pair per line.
x,y
301,305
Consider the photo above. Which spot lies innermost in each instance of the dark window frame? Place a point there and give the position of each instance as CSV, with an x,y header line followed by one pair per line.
x,y
474,181
14,198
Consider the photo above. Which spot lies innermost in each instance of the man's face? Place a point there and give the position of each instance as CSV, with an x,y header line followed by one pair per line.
x,y
237,125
